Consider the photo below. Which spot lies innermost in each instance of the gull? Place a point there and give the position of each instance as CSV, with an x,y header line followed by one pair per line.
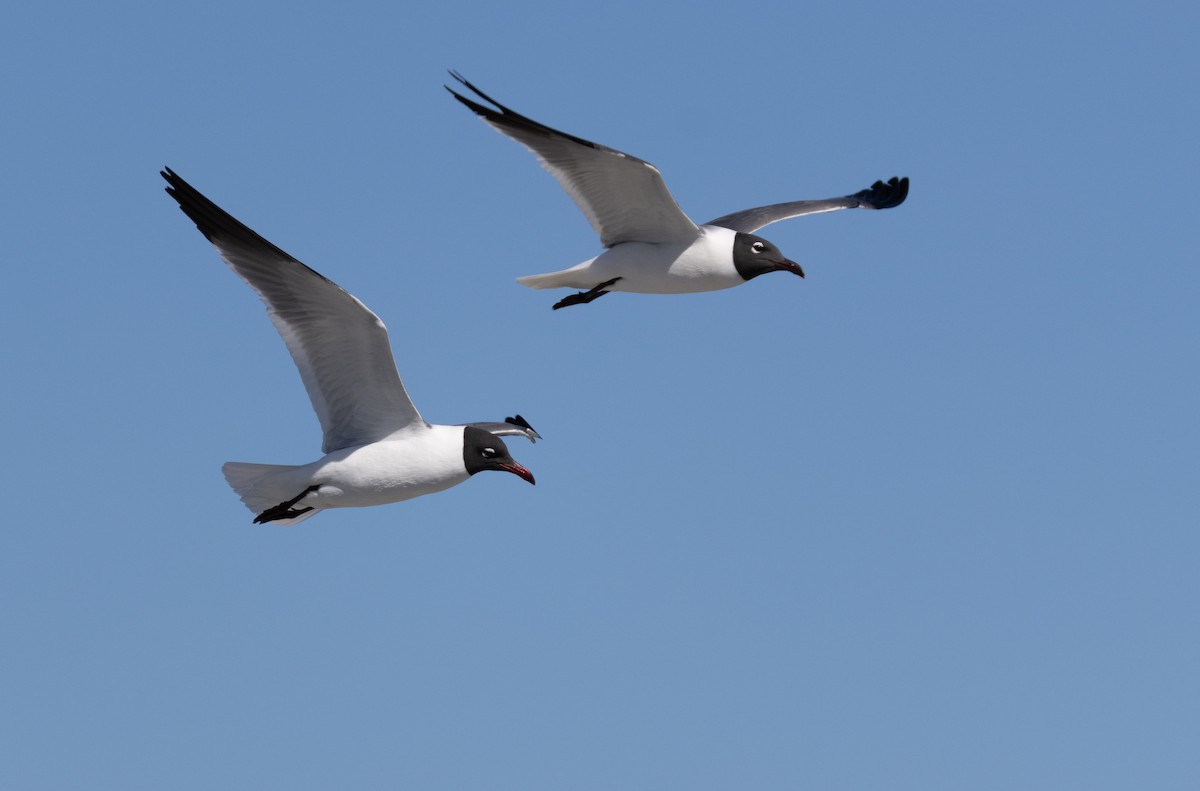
x,y
377,447
653,247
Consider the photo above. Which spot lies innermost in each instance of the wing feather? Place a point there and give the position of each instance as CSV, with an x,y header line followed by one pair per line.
x,y
339,345
879,195
623,197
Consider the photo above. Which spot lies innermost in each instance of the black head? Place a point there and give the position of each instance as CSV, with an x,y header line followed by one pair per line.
x,y
754,256
483,450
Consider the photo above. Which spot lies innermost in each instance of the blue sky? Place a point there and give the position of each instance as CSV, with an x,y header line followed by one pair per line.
x,y
924,520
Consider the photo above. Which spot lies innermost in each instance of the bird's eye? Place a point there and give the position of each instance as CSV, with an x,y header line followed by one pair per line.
x,y
489,453
758,247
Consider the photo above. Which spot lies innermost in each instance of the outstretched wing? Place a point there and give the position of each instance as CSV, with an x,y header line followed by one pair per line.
x,y
623,197
339,345
512,426
879,196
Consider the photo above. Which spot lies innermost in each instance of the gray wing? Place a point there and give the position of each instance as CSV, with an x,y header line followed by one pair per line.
x,y
880,195
339,345
623,197
512,426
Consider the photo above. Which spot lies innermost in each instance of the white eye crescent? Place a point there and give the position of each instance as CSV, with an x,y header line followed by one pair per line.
x,y
758,247
489,453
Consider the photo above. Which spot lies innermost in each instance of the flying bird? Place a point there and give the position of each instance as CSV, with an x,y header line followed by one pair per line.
x,y
653,248
377,447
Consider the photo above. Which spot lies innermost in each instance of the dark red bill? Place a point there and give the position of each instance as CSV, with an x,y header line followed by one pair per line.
x,y
517,469
789,266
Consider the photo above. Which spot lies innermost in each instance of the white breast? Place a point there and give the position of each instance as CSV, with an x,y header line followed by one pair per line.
x,y
420,462
703,265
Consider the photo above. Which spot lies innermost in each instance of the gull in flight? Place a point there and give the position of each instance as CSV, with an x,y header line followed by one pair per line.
x,y
377,448
653,248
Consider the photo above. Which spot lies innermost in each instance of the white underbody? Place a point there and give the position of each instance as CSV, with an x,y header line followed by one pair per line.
x,y
705,264
424,460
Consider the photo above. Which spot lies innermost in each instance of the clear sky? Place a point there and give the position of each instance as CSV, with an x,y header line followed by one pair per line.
x,y
924,520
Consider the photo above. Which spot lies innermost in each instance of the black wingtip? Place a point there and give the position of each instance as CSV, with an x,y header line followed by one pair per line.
x,y
484,112
453,92
170,177
504,116
521,422
882,195
478,108
517,420
199,209
467,84
218,226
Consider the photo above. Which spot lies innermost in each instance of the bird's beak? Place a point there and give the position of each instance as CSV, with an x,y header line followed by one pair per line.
x,y
789,266
518,470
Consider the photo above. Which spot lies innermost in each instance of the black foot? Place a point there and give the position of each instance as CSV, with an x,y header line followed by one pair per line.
x,y
584,297
284,510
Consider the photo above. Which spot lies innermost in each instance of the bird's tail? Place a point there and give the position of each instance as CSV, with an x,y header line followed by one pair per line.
x,y
567,278
263,486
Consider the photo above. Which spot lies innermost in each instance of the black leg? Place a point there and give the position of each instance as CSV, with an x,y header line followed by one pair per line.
x,y
584,297
284,510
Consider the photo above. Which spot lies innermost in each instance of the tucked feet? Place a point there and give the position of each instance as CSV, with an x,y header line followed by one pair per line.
x,y
584,297
284,510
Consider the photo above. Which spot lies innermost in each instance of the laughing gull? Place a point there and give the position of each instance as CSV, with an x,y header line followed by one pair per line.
x,y
653,248
377,448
